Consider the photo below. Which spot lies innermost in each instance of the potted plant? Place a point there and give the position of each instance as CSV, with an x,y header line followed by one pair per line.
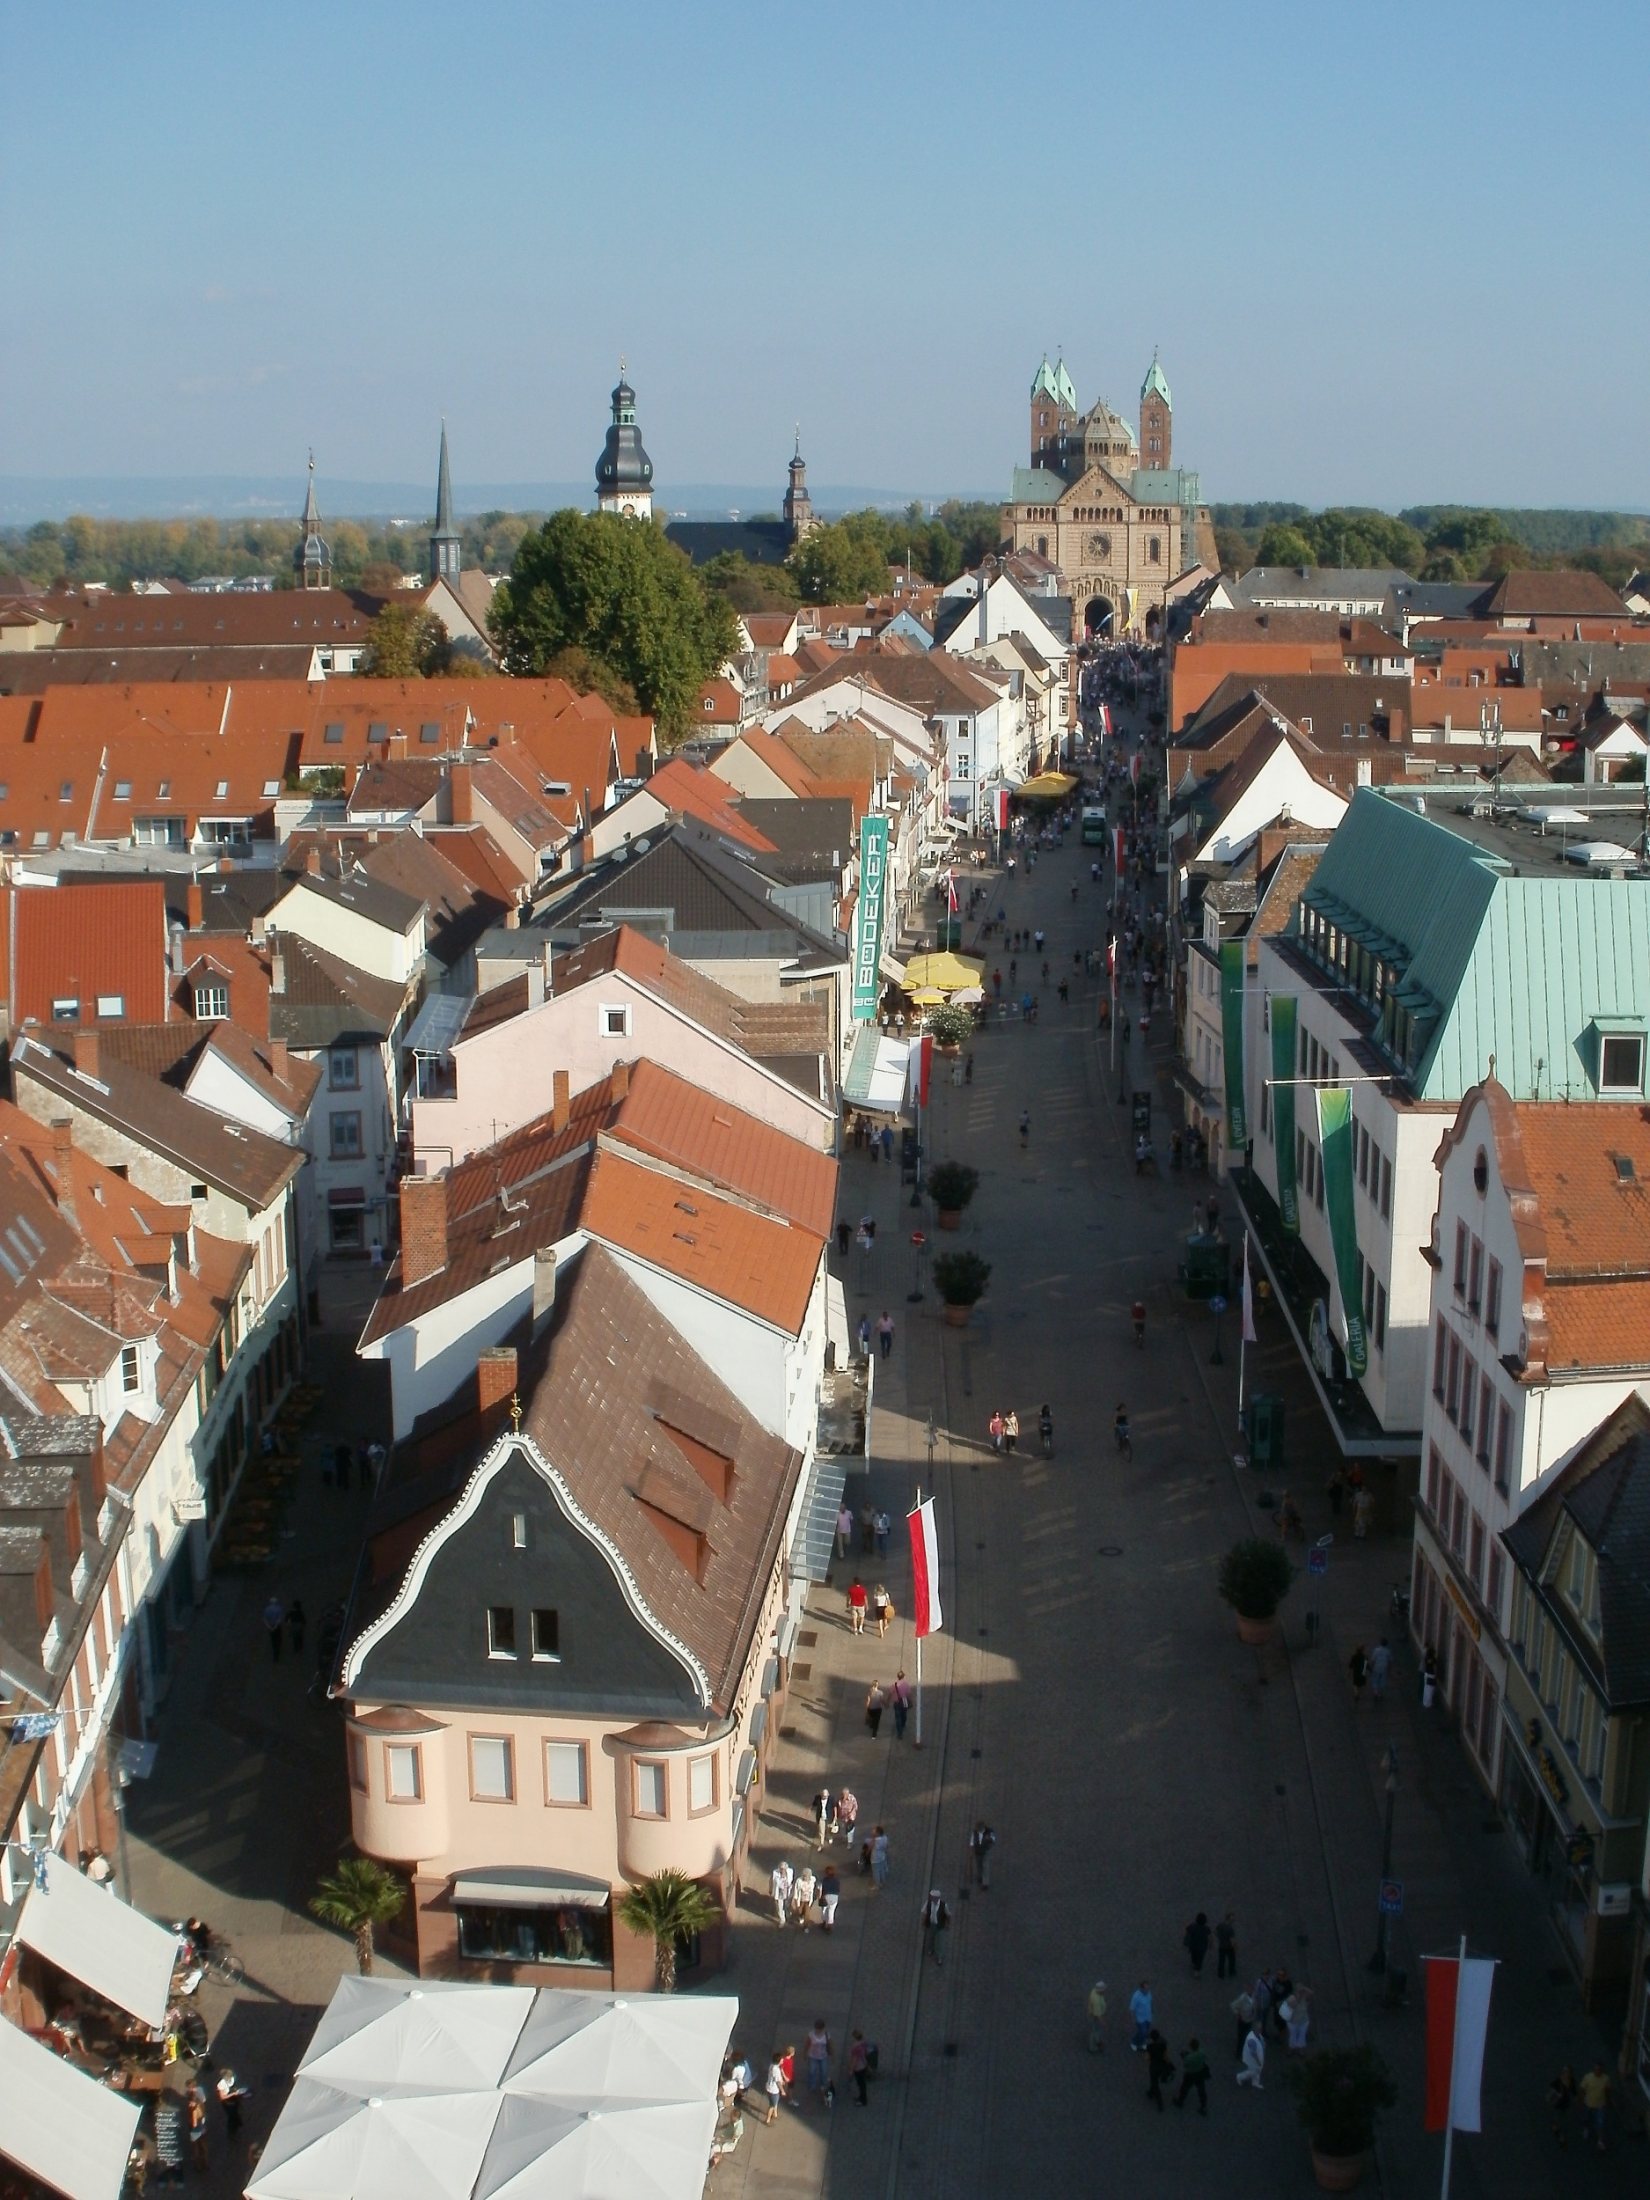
x,y
1339,2091
950,1027
951,1185
960,1279
668,1908
1254,1579
359,1896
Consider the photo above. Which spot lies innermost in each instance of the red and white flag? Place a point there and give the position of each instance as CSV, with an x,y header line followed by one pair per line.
x,y
1134,767
925,1569
1105,720
951,892
1248,1297
1458,2020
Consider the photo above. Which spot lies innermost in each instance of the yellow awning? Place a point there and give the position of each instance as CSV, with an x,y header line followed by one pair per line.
x,y
944,972
1048,787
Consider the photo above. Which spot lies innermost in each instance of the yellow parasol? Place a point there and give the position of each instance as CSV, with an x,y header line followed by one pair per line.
x,y
943,973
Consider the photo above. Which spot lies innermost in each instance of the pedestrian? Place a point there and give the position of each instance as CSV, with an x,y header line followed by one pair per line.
x,y
1194,2074
802,1895
887,1141
1296,2013
1363,1507
901,1694
844,1529
867,1527
1358,1666
780,1881
883,1527
737,2075
822,1815
882,1604
968,1069
1159,2069
879,1857
856,1605
1429,1677
1097,2017
231,2093
830,1894
274,1622
859,2067
1140,2011
1226,1947
1243,2011
981,1842
1380,1668
997,1426
1261,1995
818,2046
295,1625
194,2112
847,1815
774,2086
864,1337
875,1697
1195,1941
1011,1432
936,1920
1595,2101
1561,2098
1254,2060
844,1232
885,1332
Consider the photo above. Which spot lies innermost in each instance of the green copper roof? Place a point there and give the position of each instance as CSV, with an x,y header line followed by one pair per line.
x,y
1154,381
1055,382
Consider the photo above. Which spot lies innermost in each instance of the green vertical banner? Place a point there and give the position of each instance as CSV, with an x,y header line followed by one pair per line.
x,y
1335,1132
1283,1109
1231,1043
868,915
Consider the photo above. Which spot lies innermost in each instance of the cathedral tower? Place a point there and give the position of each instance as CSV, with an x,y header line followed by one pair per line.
x,y
624,472
312,560
1053,412
1156,419
446,551
799,506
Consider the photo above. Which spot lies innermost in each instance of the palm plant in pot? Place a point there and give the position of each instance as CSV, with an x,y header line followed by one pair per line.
x,y
1254,1580
1339,2092
960,1279
950,1027
951,1185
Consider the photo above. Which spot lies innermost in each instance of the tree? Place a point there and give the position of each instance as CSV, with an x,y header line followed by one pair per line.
x,y
617,589
747,586
405,642
1442,565
380,577
359,1896
1284,545
844,562
1465,535
588,676
667,1908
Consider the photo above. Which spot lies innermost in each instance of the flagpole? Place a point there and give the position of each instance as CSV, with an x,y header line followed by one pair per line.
x,y
1454,2049
918,1742
1243,1327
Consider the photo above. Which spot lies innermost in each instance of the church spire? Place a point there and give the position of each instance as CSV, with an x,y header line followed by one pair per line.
x,y
445,545
312,560
799,505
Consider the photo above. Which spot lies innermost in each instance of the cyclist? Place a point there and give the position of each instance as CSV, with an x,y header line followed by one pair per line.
x,y
1137,1314
1120,1430
1045,1429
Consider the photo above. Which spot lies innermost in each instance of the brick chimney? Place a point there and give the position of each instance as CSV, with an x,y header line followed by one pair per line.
x,y
495,1374
312,862
461,794
423,1228
561,1111
85,1052
396,745
280,1065
544,1282
195,902
618,1081
63,1166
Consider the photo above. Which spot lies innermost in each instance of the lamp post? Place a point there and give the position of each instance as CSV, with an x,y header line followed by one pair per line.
x,y
1389,1765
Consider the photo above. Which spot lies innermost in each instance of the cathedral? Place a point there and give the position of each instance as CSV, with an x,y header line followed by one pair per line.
x,y
1106,505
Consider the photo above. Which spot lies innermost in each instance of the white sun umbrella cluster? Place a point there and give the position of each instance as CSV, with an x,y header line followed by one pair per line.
x,y
438,2091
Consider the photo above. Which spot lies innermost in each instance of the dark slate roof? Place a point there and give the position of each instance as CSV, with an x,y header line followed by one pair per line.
x,y
690,874
1604,1495
813,838
1434,599
763,541
364,896
328,1000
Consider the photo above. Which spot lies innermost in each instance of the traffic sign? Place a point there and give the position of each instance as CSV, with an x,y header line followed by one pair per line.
x,y
1392,1898
1317,1560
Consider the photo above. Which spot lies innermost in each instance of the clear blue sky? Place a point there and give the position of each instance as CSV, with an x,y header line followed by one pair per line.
x,y
1388,257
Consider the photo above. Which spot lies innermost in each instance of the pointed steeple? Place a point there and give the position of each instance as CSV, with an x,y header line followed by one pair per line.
x,y
799,505
445,546
312,560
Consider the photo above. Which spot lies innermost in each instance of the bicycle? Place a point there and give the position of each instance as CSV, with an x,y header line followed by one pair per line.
x,y
223,1964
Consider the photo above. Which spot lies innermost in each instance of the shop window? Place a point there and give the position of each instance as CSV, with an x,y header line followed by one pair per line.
x,y
570,1934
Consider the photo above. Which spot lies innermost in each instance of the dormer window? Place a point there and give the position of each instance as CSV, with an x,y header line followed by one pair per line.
x,y
131,1369
211,1001
1621,1063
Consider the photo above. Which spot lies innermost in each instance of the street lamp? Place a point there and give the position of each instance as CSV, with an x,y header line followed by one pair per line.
x,y
1389,1765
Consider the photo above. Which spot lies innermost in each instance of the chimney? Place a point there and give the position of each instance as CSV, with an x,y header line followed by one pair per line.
x,y
495,1373
423,1228
62,1166
277,972
280,1064
312,862
561,1112
196,904
397,744
544,1282
85,1053
618,1081
460,795
179,953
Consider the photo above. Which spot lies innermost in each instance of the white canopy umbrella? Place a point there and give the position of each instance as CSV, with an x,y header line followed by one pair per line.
x,y
1598,852
610,2048
336,2145
389,2036
550,2150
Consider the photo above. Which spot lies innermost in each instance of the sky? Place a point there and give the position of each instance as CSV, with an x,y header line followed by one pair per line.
x,y
1386,259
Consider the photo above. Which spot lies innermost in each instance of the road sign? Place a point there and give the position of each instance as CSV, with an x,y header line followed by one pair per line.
x,y
1217,1305
1392,1898
1317,1560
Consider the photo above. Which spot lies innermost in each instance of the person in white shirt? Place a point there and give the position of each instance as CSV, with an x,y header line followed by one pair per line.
x,y
1254,2060
780,1881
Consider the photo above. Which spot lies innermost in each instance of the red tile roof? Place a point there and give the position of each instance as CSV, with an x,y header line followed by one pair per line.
x,y
703,1136
88,944
694,792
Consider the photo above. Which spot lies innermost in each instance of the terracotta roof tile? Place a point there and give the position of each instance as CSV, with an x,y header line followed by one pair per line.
x,y
86,944
701,1135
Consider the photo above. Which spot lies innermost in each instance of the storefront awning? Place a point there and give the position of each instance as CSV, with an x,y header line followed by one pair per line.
x,y
877,1071
87,1931
527,1889
59,2125
1048,787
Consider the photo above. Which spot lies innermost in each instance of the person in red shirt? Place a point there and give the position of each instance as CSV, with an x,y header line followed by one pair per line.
x,y
856,1606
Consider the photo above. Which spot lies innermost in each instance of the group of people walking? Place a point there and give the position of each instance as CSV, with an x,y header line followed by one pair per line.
x,y
1275,2007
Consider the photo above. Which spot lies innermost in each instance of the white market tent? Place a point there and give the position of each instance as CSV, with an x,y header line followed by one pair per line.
x,y
85,1930
435,2090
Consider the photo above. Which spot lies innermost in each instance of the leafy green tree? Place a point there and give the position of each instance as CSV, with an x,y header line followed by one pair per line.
x,y
1235,550
406,643
1283,544
616,588
1501,558
747,586
843,562
668,1908
1465,535
590,676
1442,565
1356,536
358,1896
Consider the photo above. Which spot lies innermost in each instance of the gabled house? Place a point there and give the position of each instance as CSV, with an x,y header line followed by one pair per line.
x,y
85,955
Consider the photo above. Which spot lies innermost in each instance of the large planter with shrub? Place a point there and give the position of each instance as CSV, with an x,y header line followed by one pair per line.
x,y
1254,1580
951,1185
960,1279
1339,2092
950,1027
